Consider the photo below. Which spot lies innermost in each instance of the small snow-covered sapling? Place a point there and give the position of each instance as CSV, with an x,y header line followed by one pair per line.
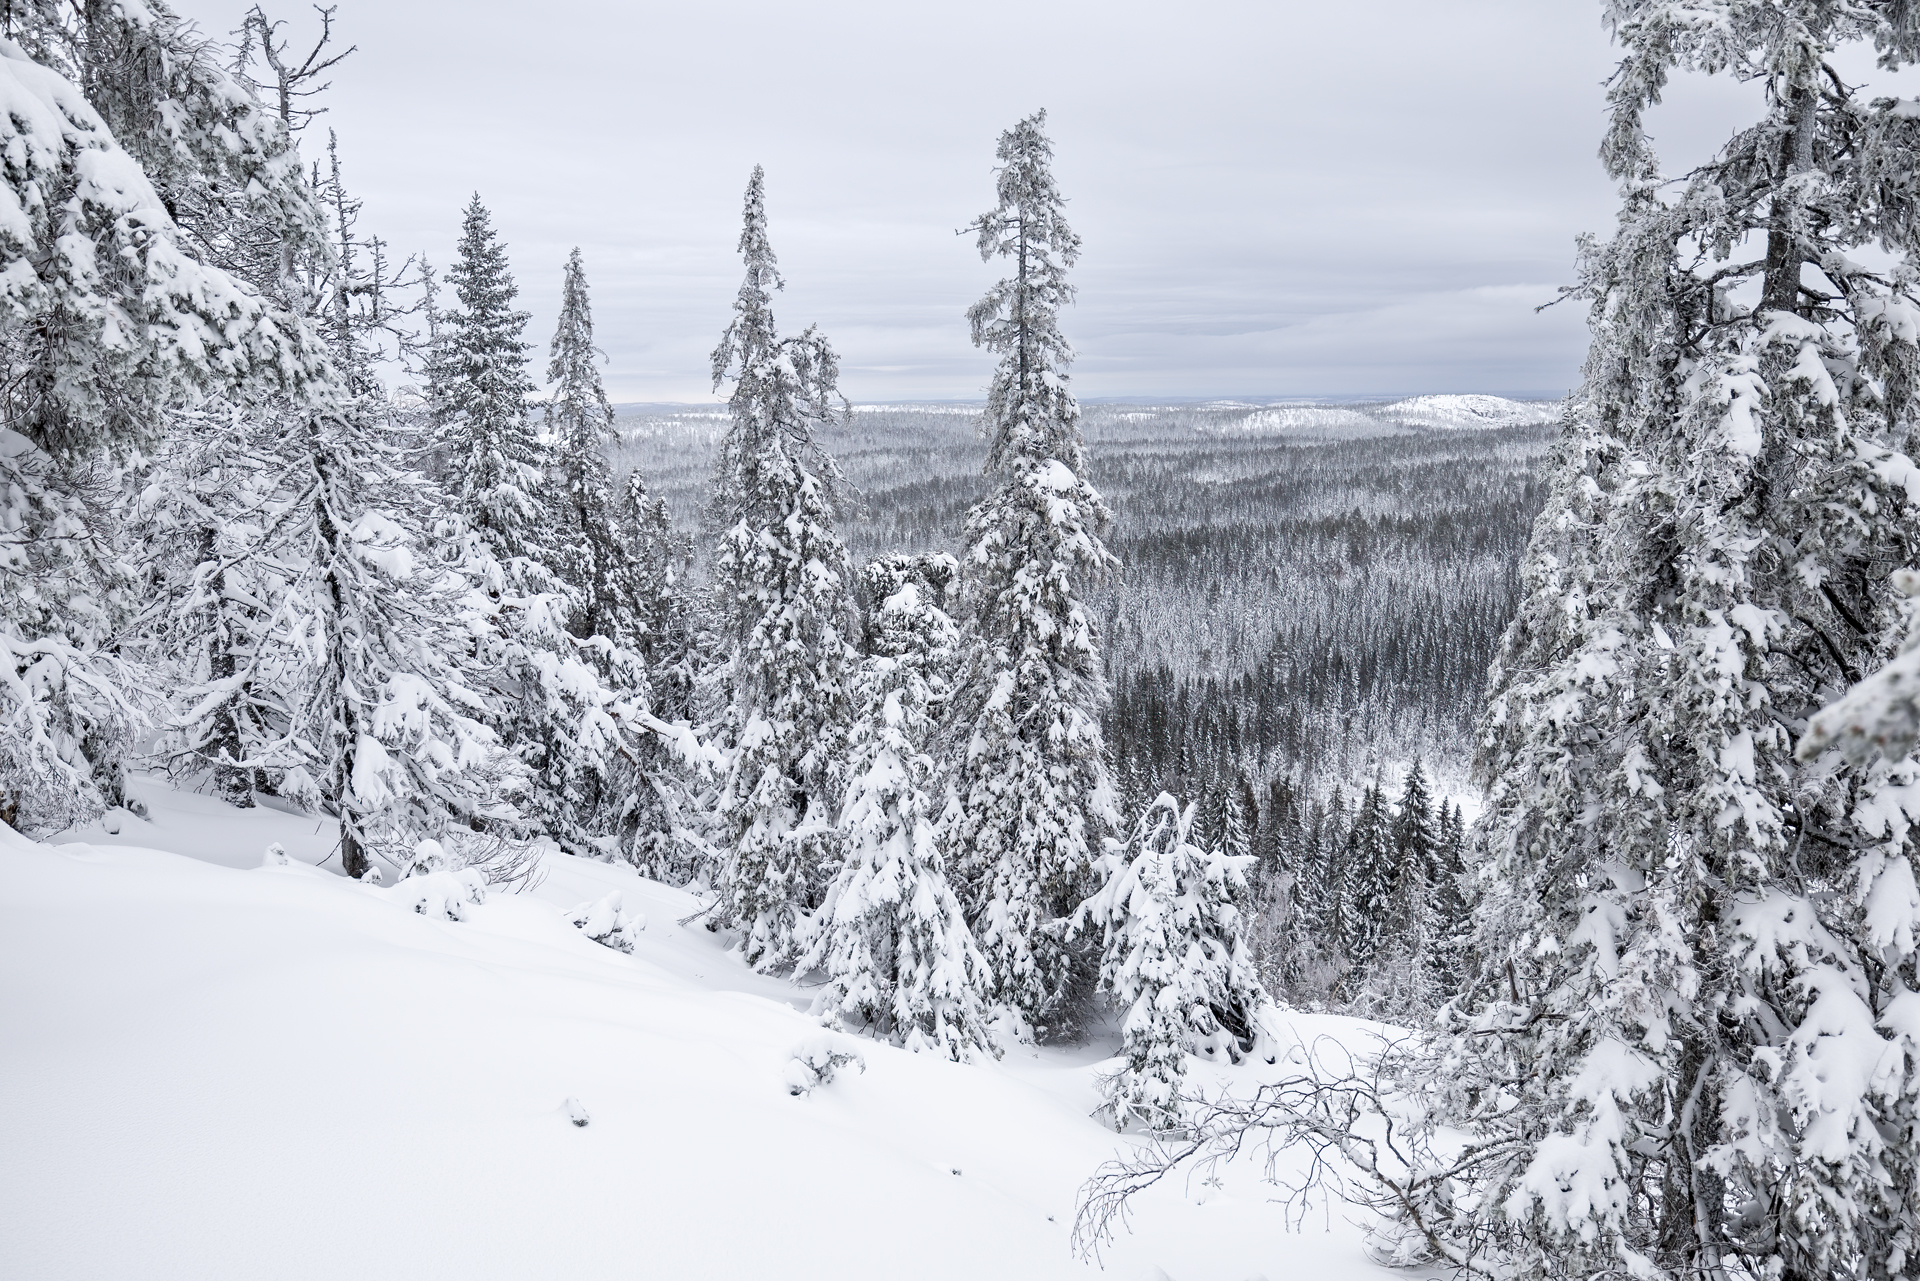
x,y
606,922
816,1060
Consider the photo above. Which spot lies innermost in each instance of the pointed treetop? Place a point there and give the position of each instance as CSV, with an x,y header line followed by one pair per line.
x,y
1032,210
756,250
751,336
572,365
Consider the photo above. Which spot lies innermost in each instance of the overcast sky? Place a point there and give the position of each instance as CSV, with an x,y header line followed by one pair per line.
x,y
1286,197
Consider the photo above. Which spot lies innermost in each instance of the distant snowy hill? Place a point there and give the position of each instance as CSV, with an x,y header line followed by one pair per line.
x,y
219,1071
1468,411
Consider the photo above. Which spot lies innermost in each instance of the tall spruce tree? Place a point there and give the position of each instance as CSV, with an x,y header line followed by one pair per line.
x,y
1034,796
547,696
1367,894
783,595
481,398
579,418
1452,904
393,713
1401,983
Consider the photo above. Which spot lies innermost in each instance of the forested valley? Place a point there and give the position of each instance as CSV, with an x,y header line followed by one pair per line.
x,y
1492,814
1307,598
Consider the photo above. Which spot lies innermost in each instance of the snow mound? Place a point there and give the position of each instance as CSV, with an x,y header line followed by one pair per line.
x,y
607,922
1470,411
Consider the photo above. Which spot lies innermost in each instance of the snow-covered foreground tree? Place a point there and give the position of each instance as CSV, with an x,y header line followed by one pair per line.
x,y
1688,1038
104,322
890,934
1034,798
782,597
392,713
1174,960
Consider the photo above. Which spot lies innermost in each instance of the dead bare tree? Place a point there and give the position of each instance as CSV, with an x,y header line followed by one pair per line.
x,y
293,75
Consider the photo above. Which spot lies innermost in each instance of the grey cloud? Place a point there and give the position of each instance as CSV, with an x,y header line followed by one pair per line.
x,y
1288,198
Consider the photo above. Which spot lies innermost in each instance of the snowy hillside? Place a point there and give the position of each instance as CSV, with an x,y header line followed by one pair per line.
x,y
1469,411
218,1070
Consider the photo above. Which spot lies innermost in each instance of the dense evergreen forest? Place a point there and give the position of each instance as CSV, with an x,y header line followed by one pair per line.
x,y
1305,592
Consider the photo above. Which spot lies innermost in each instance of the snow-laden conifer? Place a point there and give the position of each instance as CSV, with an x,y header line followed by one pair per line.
x,y
1174,960
222,514
563,706
782,595
1034,798
1369,869
481,397
579,429
1400,983
106,321
372,647
392,713
889,934
1687,1045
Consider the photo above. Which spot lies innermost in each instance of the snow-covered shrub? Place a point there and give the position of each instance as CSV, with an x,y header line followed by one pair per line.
x,y
607,923
432,888
817,1059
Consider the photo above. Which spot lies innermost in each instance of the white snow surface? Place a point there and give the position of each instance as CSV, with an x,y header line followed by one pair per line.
x,y
1470,411
216,1069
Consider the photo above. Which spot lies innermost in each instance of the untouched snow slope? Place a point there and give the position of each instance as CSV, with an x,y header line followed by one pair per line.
x,y
1469,411
215,1071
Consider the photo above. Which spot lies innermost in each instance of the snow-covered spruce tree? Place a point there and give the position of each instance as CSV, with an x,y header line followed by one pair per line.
x,y
1174,960
108,319
1400,983
781,593
1034,798
1701,946
546,700
1452,904
890,935
1687,1047
580,427
617,558
1366,892
392,712
481,399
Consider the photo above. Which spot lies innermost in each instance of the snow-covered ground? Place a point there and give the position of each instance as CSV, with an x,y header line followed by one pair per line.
x,y
210,1069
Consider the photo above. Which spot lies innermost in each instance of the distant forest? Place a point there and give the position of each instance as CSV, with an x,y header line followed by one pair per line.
x,y
1307,593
